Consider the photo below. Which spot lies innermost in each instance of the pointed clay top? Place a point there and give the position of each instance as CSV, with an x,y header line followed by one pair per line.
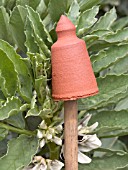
x,y
64,24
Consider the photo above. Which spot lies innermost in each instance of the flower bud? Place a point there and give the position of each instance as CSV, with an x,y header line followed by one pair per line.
x,y
42,143
43,125
39,134
59,128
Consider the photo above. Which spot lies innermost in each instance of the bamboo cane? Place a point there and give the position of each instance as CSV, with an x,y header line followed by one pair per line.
x,y
70,135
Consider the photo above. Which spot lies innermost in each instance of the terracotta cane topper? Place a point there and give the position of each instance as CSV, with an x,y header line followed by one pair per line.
x,y
72,78
72,74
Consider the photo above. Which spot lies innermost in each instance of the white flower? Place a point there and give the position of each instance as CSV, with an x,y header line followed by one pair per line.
x,y
42,143
83,128
39,167
43,125
40,163
86,119
48,134
86,142
37,159
39,134
83,159
54,165
45,164
57,140
51,130
89,142
59,128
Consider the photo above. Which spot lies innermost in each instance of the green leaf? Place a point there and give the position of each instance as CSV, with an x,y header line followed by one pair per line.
x,y
101,54
112,55
5,33
105,22
102,33
122,104
30,43
90,39
87,19
2,97
9,4
119,36
107,163
119,145
41,35
3,133
24,107
2,3
120,23
10,107
32,3
20,152
119,67
107,143
25,80
16,120
17,22
7,70
73,12
46,2
27,62
114,99
42,9
57,8
49,24
109,151
99,45
32,112
46,111
37,25
33,122
109,87
3,147
110,120
40,86
124,168
87,4
109,2
106,133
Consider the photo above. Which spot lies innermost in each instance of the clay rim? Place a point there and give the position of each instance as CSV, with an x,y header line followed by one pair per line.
x,y
75,97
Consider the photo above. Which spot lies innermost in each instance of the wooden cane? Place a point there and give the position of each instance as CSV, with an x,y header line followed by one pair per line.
x,y
70,135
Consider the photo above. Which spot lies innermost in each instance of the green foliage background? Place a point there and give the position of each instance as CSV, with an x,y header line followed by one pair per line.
x,y
27,31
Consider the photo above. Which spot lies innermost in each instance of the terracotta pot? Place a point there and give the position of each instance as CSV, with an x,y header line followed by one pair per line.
x,y
72,74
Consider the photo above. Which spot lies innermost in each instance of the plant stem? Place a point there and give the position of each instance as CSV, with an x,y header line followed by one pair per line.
x,y
17,130
54,151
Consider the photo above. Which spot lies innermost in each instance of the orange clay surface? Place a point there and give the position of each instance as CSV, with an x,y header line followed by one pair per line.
x,y
72,74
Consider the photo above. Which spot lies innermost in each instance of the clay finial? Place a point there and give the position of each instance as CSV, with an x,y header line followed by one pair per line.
x,y
72,74
64,24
